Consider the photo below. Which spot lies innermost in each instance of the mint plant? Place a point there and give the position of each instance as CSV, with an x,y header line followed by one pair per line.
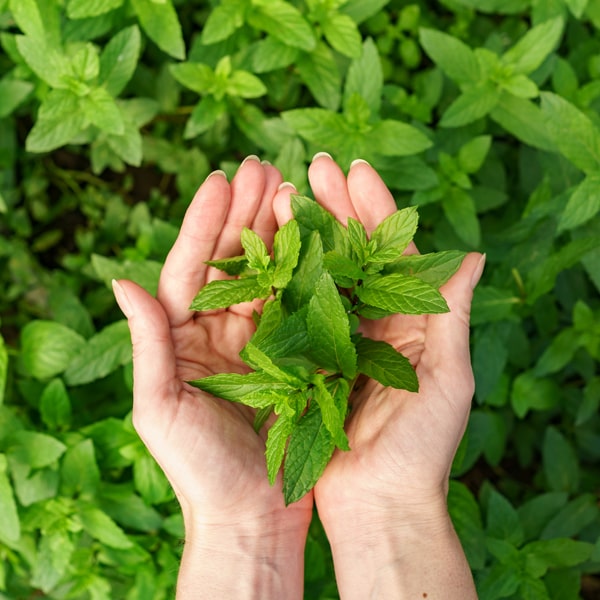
x,y
307,351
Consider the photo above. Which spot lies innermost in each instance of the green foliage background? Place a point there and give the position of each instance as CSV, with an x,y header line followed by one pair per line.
x,y
484,113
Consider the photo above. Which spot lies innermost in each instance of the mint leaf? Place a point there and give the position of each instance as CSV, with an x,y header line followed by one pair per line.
x,y
259,361
365,77
342,33
308,452
434,268
357,236
289,338
309,270
320,72
226,292
286,251
344,271
382,362
329,329
333,417
119,59
238,388
276,443
236,265
401,293
392,236
256,250
223,21
159,20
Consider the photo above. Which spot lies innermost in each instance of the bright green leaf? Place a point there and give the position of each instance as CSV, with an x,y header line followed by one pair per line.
x,y
161,24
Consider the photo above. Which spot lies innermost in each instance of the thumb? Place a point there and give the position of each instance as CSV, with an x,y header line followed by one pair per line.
x,y
154,367
448,333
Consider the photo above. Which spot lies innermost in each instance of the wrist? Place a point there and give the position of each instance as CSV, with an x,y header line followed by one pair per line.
x,y
238,557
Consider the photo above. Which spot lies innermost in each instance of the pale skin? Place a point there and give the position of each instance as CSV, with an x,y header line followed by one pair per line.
x,y
383,504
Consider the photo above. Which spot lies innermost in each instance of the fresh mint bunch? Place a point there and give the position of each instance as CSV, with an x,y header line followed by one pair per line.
x,y
307,353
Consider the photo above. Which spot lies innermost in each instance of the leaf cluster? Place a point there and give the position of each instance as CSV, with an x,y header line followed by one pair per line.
x,y
307,352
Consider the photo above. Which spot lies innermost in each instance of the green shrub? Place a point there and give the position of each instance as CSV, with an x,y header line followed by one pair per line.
x,y
485,114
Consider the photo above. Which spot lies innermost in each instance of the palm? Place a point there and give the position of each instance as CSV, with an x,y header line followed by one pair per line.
x,y
206,446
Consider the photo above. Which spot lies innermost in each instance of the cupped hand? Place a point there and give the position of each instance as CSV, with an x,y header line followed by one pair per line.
x,y
402,443
206,446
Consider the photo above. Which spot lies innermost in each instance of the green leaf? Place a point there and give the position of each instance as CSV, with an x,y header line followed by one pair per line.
x,y
460,210
236,265
401,293
59,122
10,527
245,85
227,292
27,16
524,120
223,20
583,205
308,453
55,405
102,354
149,480
435,268
329,329
454,57
102,528
48,348
575,135
472,154
382,362
286,252
3,368
82,9
283,21
333,417
393,235
360,10
160,22
320,73
344,270
45,61
205,115
573,518
535,513
474,103
277,438
542,555
394,138
561,466
144,273
119,59
341,32
309,270
365,77
533,48
318,124
235,387
559,353
79,473
12,93
466,517
271,54
196,76
532,393
35,450
256,250
100,109
258,360
503,520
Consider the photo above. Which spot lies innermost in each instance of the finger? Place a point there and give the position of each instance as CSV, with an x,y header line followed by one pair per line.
x,y
264,223
282,207
370,197
330,188
154,366
184,271
247,189
447,336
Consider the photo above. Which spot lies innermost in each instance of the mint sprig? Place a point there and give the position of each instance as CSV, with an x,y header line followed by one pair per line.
x,y
306,352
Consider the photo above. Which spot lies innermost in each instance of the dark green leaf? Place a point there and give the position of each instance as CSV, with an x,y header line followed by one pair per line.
x,y
460,210
474,103
392,236
583,205
310,268
333,417
308,453
232,266
401,293
560,462
55,405
329,329
435,268
382,362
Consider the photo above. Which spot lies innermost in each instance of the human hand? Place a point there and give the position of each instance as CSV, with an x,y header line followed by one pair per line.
x,y
402,444
207,447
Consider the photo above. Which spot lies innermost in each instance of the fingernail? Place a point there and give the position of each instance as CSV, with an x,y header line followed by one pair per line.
x,y
217,172
265,163
122,298
251,157
478,272
359,161
286,184
321,155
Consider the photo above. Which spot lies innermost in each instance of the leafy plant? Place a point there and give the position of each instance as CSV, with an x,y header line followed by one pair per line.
x,y
307,353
